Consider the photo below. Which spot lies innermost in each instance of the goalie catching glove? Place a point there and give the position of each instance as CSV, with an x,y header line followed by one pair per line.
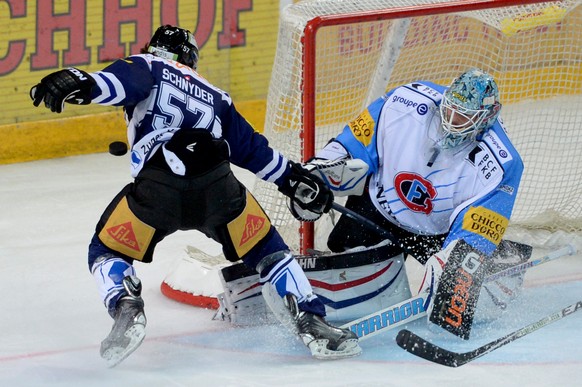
x,y
70,85
309,197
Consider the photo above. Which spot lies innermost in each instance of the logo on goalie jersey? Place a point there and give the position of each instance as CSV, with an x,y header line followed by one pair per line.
x,y
486,223
415,191
421,108
485,162
363,128
493,140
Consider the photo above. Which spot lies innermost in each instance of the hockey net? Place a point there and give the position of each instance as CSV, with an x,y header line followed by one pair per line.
x,y
334,57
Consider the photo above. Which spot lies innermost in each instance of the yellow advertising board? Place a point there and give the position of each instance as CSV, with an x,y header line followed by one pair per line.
x,y
237,40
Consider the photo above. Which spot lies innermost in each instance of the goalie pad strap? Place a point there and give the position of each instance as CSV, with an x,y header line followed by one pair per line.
x,y
458,290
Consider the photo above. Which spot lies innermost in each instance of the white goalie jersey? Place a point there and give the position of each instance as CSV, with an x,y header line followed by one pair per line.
x,y
467,191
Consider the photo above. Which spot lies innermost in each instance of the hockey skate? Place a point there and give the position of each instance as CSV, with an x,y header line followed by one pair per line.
x,y
128,329
325,342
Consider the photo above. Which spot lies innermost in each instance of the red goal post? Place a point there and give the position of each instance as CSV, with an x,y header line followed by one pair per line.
x,y
308,65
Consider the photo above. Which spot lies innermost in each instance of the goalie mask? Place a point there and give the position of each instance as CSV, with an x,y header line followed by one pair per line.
x,y
469,107
174,43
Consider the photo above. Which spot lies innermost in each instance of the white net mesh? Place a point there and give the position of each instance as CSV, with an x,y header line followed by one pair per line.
x,y
533,51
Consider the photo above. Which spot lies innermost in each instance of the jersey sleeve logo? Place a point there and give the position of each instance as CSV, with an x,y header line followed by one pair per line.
x,y
416,192
492,139
484,161
421,108
485,223
363,128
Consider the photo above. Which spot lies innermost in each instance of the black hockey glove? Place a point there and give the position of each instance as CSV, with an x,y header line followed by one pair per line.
x,y
70,85
309,196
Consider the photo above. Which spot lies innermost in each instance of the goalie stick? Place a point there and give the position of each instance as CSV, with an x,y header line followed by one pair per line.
x,y
412,309
365,221
569,249
418,346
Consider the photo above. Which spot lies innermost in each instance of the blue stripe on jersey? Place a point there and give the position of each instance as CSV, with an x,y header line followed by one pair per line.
x,y
500,200
273,170
113,95
358,150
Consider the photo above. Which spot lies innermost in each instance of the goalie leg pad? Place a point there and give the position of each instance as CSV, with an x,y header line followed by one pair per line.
x,y
351,284
242,303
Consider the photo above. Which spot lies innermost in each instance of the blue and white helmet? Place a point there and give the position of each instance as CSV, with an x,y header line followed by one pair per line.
x,y
469,107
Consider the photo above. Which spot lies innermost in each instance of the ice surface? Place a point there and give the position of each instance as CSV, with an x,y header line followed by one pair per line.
x,y
52,320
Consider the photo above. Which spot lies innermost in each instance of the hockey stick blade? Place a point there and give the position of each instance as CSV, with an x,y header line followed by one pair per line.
x,y
412,309
420,347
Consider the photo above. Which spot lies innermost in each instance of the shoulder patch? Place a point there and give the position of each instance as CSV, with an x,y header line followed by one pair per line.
x,y
482,159
363,127
485,223
497,146
426,90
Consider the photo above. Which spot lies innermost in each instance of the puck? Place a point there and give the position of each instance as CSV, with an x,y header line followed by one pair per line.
x,y
118,148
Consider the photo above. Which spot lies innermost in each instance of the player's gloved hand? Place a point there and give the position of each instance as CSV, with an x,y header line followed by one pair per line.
x,y
69,85
309,197
497,295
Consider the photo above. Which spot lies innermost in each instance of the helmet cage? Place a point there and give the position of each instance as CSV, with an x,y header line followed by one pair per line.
x,y
460,122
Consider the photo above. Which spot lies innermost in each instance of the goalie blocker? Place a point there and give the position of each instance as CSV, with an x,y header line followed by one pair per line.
x,y
350,284
460,284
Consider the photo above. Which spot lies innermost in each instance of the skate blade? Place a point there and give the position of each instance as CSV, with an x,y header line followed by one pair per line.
x,y
115,355
319,350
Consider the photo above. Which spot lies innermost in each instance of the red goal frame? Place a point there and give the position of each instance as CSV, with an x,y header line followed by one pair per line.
x,y
307,136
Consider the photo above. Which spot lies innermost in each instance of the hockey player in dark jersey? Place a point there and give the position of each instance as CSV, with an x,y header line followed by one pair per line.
x,y
184,133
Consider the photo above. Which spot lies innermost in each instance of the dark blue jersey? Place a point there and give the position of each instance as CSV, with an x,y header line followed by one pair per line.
x,y
161,96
